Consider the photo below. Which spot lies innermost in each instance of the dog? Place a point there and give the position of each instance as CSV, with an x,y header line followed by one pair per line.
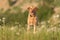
x,y
32,18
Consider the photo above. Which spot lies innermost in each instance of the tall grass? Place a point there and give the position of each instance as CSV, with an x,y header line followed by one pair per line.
x,y
15,33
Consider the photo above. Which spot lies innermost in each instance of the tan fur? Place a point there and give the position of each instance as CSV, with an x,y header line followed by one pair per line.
x,y
32,19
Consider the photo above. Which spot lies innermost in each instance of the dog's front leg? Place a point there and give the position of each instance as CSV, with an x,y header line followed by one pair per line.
x,y
34,28
28,28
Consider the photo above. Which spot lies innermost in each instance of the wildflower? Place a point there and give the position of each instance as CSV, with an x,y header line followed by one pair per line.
x,y
51,29
3,19
17,33
56,16
0,19
43,22
12,28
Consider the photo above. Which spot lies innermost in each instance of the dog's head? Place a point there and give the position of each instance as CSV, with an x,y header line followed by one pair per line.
x,y
32,10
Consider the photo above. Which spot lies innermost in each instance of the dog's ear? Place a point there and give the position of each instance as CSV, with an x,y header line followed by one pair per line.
x,y
28,8
35,8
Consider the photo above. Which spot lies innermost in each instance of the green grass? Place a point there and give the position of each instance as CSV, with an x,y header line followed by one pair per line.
x,y
15,33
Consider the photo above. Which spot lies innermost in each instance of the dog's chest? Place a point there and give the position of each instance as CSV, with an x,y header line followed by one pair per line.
x,y
31,19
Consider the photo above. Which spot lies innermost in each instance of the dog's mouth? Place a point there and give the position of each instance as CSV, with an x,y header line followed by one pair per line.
x,y
32,15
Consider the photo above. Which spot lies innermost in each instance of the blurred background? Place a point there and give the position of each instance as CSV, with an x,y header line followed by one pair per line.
x,y
13,20
15,11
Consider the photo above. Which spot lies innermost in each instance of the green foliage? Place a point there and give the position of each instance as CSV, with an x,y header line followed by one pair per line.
x,y
15,33
49,1
12,17
25,15
44,13
57,2
12,2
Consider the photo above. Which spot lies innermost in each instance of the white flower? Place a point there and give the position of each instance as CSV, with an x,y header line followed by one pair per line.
x,y
0,19
17,33
12,28
43,22
3,18
51,29
56,16
48,21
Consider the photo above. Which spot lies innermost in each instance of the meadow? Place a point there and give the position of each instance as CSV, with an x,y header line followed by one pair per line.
x,y
13,22
20,33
